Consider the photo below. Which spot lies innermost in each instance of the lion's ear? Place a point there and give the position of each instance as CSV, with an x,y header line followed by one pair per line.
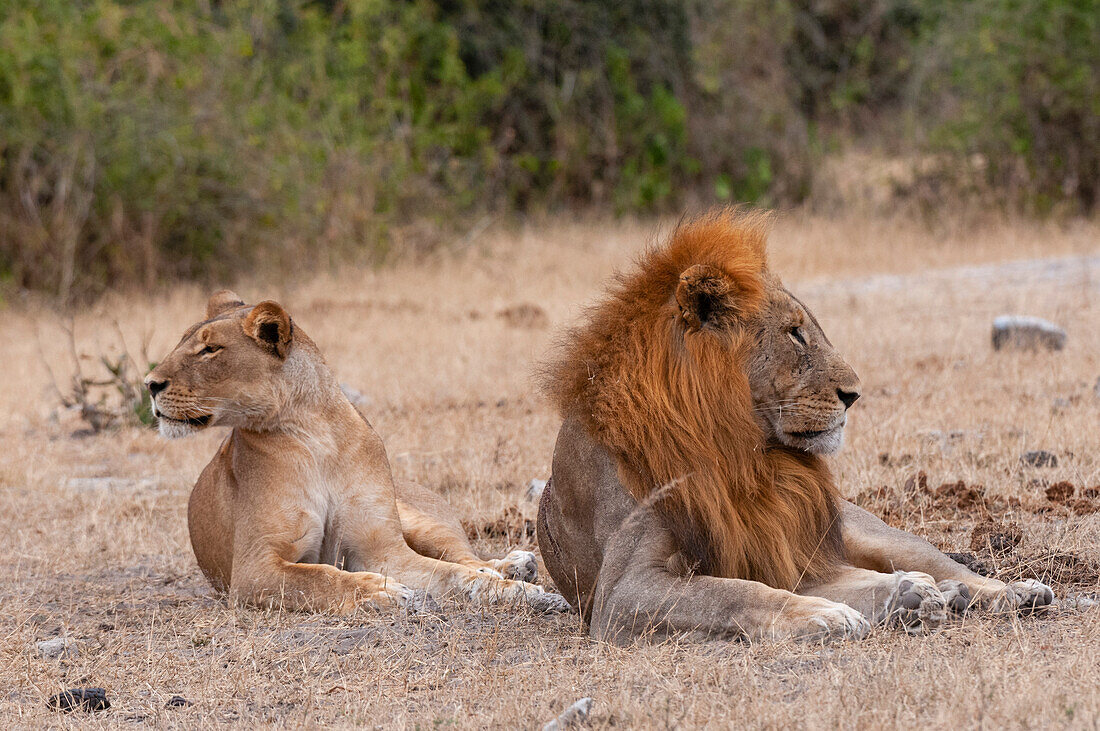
x,y
221,301
706,296
269,325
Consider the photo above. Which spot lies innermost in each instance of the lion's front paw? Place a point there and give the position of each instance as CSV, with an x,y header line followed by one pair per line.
x,y
1027,595
813,618
956,594
518,566
916,604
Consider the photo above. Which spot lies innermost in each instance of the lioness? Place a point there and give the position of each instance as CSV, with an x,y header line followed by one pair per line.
x,y
298,508
688,492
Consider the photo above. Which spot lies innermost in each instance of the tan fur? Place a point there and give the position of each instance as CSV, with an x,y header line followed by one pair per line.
x,y
298,507
698,398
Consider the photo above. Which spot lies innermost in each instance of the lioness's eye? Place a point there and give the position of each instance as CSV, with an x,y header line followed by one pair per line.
x,y
795,334
210,349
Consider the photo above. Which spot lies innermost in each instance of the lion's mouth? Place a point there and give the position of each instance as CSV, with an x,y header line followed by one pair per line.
x,y
199,421
811,434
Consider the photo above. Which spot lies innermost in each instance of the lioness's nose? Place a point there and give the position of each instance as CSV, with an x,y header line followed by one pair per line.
x,y
155,386
847,397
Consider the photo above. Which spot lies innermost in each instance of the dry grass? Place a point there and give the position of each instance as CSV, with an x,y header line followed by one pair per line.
x,y
107,561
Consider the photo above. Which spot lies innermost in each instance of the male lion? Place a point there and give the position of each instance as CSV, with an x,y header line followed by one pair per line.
x,y
688,493
298,508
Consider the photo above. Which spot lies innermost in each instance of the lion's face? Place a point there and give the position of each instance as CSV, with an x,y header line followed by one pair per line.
x,y
226,371
801,387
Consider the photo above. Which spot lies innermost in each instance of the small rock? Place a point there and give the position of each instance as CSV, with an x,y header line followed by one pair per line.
x,y
535,489
1039,458
57,648
1096,388
1027,333
358,400
1078,602
177,701
80,699
575,713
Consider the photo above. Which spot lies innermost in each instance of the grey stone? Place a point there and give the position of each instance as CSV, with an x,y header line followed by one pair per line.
x,y
574,714
358,400
80,699
535,489
1027,333
1039,458
57,648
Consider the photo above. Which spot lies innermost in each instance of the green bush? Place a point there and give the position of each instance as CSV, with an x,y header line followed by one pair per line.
x,y
144,141
1014,89
147,141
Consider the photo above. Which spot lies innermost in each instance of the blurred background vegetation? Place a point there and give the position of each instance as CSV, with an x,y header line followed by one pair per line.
x,y
144,141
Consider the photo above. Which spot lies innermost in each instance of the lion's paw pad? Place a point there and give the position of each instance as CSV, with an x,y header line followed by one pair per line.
x,y
1027,595
916,603
956,595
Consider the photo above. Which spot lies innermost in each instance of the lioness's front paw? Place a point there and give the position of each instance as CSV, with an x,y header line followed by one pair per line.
x,y
1026,595
814,618
916,603
547,602
490,591
394,594
518,566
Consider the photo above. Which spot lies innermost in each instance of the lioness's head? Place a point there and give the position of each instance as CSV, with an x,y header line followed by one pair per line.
x,y
801,387
231,369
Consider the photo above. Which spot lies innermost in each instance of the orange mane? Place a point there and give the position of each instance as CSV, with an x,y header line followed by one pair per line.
x,y
672,404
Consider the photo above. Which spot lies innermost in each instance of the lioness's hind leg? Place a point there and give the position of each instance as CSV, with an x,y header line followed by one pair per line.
x,y
483,585
432,534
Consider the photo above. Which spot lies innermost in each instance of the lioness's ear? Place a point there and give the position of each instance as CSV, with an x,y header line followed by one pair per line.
x,y
269,325
706,296
221,301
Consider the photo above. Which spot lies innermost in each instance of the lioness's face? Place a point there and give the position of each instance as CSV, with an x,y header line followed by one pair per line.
x,y
225,371
801,387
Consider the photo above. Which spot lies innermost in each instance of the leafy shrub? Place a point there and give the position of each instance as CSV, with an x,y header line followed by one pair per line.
x,y
1014,91
143,141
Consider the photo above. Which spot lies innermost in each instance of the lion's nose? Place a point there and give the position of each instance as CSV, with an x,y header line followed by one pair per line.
x,y
847,397
155,387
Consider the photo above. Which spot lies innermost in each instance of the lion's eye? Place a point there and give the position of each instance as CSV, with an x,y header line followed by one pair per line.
x,y
210,349
795,334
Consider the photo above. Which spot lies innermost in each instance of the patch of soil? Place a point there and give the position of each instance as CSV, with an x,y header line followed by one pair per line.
x,y
1056,567
1060,492
955,500
992,538
970,561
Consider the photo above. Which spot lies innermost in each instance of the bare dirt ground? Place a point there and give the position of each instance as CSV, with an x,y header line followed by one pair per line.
x,y
96,547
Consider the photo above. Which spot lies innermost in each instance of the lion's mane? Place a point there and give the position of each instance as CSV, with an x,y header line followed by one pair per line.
x,y
671,402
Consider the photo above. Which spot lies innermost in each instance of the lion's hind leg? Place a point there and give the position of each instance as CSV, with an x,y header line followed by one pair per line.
x,y
908,599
